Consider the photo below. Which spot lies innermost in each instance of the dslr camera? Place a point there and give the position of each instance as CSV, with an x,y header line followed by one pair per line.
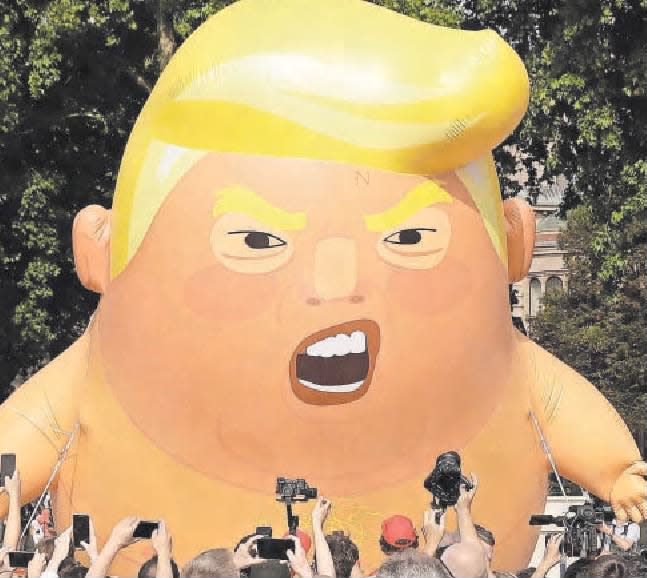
x,y
288,491
445,481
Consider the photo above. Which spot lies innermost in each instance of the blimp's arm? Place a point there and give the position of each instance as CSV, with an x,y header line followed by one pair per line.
x,y
589,440
37,420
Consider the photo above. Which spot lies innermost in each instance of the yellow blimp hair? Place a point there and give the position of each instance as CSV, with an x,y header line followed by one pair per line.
x,y
339,80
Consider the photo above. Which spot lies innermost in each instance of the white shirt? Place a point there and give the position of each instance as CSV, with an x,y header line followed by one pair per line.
x,y
628,530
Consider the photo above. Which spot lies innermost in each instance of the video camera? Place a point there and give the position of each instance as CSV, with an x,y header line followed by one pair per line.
x,y
288,491
580,525
445,481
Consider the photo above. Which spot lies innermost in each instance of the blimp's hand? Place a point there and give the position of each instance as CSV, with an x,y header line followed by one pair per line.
x,y
629,494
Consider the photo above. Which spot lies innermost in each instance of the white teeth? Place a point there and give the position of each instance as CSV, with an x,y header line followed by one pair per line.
x,y
340,344
357,342
346,388
327,347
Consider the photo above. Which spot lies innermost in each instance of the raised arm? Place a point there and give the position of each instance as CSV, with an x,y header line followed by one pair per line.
x,y
36,421
325,566
12,527
591,444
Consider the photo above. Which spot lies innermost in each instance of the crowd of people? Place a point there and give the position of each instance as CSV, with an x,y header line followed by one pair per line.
x,y
434,552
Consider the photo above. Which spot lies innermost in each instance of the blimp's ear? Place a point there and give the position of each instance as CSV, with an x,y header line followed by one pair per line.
x,y
520,232
91,246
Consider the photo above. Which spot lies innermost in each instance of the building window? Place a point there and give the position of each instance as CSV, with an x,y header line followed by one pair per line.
x,y
535,296
554,284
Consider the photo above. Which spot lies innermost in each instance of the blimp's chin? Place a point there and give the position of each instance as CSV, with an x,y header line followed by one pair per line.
x,y
335,365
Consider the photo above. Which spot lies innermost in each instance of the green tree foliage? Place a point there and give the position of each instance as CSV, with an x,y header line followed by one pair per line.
x,y
73,76
598,331
590,118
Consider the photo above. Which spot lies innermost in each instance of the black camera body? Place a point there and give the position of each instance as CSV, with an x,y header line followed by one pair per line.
x,y
445,480
580,525
288,491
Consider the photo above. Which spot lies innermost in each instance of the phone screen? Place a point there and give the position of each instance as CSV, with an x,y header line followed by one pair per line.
x,y
20,559
7,466
80,529
273,548
145,529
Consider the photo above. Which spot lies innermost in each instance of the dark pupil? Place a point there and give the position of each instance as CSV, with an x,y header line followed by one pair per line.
x,y
410,237
256,240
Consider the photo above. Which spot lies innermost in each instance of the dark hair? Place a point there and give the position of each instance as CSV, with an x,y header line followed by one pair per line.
x,y
46,547
73,571
485,535
345,553
579,567
149,569
605,567
389,549
527,573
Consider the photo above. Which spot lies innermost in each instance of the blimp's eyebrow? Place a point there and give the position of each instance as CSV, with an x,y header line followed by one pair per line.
x,y
238,199
424,195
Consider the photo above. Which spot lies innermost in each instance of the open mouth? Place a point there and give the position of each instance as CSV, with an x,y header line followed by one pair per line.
x,y
335,365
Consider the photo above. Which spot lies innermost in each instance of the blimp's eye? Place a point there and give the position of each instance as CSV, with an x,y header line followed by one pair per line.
x,y
408,236
259,239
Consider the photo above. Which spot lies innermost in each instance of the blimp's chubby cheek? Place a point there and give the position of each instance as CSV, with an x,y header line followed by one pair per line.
x,y
220,295
439,291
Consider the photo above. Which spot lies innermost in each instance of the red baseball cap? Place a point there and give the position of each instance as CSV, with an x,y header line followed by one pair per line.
x,y
305,539
398,531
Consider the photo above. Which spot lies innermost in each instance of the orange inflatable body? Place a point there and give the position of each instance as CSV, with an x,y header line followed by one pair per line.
x,y
305,273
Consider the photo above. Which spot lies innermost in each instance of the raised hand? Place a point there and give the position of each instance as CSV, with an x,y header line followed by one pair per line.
x,y
162,540
629,494
91,547
122,533
467,496
320,512
433,531
298,561
244,556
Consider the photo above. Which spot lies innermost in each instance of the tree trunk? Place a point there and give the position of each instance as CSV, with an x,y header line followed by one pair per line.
x,y
165,33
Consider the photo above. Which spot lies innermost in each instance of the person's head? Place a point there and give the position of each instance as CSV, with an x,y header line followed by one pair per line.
x,y
604,567
465,560
73,571
215,563
487,541
345,553
397,534
412,564
149,569
342,199
46,547
526,572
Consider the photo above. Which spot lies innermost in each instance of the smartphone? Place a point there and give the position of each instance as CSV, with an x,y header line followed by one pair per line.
x,y
145,529
80,530
274,548
20,559
7,467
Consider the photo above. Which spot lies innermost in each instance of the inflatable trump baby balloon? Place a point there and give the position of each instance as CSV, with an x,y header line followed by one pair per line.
x,y
305,274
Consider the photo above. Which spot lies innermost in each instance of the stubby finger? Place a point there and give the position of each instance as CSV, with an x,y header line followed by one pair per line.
x,y
621,514
635,515
638,469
